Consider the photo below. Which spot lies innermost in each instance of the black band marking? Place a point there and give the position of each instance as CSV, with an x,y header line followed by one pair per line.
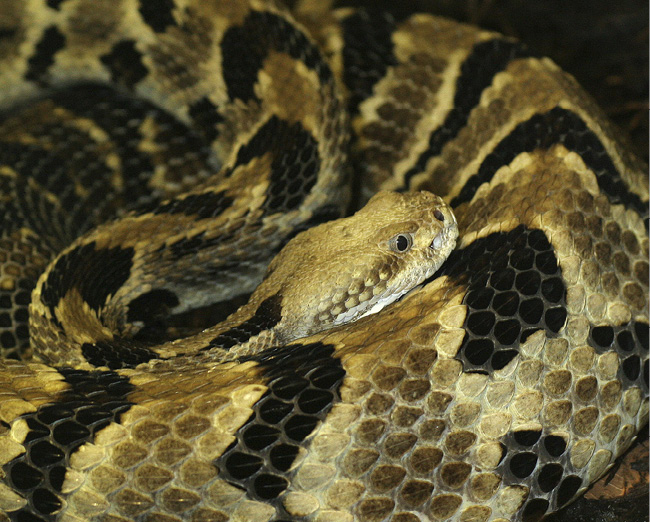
x,y
38,64
125,63
14,313
95,273
117,353
267,315
21,251
244,49
630,342
535,456
189,246
206,205
152,309
367,53
157,14
8,33
56,431
515,288
295,165
80,154
558,126
55,4
206,117
486,60
14,337
304,383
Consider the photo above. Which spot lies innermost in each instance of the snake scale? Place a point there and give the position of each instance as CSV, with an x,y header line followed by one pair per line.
x,y
155,155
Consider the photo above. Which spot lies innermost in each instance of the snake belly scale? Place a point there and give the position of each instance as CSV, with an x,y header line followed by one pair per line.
x,y
155,155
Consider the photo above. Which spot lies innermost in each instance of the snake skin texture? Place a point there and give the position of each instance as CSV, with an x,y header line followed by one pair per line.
x,y
155,155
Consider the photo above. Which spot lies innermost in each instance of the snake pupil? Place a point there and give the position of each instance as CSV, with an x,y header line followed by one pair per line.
x,y
401,243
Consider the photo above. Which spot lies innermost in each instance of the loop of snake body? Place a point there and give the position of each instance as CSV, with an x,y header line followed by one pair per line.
x,y
155,156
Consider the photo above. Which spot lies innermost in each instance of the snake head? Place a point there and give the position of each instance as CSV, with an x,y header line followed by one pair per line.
x,y
345,269
415,233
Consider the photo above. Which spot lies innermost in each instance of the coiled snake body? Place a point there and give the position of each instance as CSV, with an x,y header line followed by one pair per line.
x,y
204,136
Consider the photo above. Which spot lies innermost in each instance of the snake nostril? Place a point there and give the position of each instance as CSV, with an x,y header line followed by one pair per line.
x,y
438,215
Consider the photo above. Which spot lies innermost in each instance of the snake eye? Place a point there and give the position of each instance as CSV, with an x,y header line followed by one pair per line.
x,y
438,215
401,243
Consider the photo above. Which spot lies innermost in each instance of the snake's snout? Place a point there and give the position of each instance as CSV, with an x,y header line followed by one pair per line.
x,y
449,231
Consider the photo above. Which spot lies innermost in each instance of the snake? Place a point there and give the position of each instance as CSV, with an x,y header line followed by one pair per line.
x,y
262,264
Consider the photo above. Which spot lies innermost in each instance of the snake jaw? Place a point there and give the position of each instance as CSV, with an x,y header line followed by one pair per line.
x,y
428,258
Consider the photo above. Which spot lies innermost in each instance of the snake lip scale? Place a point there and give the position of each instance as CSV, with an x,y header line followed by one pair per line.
x,y
191,326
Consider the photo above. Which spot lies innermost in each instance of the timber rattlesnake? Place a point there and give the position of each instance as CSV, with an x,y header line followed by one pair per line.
x,y
217,131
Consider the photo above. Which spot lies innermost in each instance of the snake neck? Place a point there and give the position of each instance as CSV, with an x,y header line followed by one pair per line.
x,y
253,327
